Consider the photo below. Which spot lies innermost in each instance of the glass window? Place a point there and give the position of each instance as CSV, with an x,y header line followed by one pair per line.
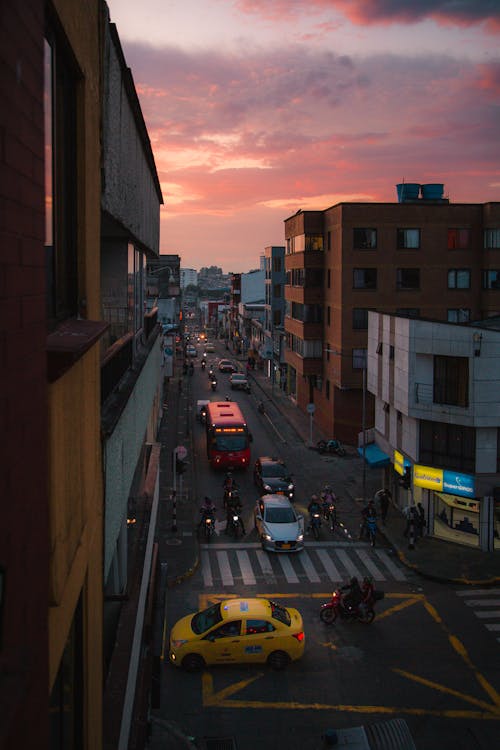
x,y
458,239
227,630
492,238
254,627
458,315
60,136
408,239
277,265
408,278
329,240
448,446
491,279
328,314
358,359
360,318
451,380
364,239
408,312
313,242
365,278
459,278
327,389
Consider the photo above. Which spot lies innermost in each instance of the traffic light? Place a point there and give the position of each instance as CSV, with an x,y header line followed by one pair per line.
x,y
407,478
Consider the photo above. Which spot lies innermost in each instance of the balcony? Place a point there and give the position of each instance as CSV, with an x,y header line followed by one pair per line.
x,y
304,365
304,330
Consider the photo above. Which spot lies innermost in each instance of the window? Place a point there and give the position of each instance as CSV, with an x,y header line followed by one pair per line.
x,y
492,238
329,278
391,352
327,389
408,278
364,239
365,278
491,279
60,105
227,630
277,318
408,239
458,315
447,445
277,265
313,242
408,312
451,380
328,315
459,278
254,627
360,318
358,359
458,239
329,240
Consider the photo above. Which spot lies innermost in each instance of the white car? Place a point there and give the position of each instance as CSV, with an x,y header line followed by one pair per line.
x,y
280,527
191,351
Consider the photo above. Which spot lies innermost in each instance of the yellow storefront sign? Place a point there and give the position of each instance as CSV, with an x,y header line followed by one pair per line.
x,y
399,462
428,477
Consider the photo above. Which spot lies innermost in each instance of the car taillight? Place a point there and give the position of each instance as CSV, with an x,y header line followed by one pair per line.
x,y
299,636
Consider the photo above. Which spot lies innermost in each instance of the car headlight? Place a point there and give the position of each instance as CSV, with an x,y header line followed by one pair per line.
x,y
267,488
290,487
300,538
179,642
268,537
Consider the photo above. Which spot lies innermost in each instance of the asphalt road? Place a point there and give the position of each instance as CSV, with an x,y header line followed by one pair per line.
x,y
426,658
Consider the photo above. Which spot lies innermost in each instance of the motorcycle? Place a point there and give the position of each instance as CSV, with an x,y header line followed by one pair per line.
x,y
330,446
203,364
260,407
208,521
213,384
364,612
234,523
330,514
315,524
231,496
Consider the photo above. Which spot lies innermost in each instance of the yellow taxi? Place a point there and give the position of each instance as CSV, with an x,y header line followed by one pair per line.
x,y
238,631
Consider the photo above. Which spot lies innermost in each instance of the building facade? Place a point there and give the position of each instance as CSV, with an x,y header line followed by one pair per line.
x,y
437,418
188,277
418,258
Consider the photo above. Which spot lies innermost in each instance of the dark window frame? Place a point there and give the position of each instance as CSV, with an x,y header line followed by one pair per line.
x,y
451,380
364,238
402,278
370,278
402,238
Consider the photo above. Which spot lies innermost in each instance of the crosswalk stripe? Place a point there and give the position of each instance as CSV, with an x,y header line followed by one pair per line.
x,y
245,567
309,567
477,592
348,563
396,572
492,627
368,562
206,570
482,602
329,565
225,568
288,570
489,614
265,566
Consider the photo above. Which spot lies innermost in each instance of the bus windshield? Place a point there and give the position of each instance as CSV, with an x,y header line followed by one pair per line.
x,y
230,442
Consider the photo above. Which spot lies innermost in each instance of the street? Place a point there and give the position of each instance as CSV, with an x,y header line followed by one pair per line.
x,y
427,658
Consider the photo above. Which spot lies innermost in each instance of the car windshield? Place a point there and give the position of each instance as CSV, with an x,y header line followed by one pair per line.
x,y
280,613
206,619
238,377
230,442
274,470
279,515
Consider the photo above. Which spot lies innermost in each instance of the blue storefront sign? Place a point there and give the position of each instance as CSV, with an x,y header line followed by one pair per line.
x,y
458,484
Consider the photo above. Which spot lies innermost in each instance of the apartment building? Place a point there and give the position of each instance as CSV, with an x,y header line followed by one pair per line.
x,y
437,419
421,257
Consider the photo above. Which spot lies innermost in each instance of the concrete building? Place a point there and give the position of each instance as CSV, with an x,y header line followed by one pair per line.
x,y
188,276
437,419
421,257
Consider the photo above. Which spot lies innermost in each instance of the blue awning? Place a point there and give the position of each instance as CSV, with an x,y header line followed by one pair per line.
x,y
374,456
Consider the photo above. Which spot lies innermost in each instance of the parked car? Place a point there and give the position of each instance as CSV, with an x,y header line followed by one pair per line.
x,y
225,365
271,475
238,631
279,526
239,381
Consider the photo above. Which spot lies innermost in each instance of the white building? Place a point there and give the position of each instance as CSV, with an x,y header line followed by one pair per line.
x,y
437,417
188,276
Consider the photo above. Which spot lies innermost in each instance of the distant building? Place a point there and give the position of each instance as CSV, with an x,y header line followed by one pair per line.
x,y
188,277
421,257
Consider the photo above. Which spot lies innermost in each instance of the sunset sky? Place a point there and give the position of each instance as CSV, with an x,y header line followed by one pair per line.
x,y
258,108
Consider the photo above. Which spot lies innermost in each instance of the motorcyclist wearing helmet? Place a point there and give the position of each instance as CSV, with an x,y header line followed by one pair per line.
x,y
313,507
354,597
234,507
207,510
328,498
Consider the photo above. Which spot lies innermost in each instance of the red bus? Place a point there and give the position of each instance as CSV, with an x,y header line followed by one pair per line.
x,y
228,437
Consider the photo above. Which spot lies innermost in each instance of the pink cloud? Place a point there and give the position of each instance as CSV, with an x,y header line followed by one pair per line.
x,y
362,12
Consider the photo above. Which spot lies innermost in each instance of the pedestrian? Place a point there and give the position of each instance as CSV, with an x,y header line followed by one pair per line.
x,y
383,496
411,530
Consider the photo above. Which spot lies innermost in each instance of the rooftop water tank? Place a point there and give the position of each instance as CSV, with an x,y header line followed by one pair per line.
x,y
432,192
408,191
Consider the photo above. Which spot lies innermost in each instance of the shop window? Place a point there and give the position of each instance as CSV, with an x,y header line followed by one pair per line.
x,y
451,381
456,519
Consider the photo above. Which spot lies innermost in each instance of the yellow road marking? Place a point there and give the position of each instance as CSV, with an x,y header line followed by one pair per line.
x,y
443,689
